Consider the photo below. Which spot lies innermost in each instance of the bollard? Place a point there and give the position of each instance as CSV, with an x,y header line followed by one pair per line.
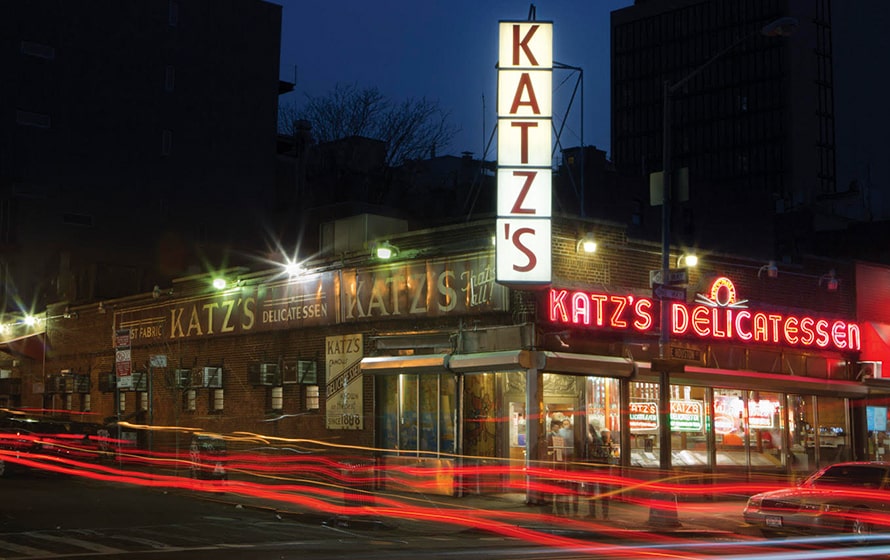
x,y
663,511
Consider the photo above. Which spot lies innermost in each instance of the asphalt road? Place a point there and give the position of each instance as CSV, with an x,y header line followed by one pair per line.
x,y
55,516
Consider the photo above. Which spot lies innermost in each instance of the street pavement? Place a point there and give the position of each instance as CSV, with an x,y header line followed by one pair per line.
x,y
720,517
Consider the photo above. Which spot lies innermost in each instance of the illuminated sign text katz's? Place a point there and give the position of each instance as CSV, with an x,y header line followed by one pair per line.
x,y
524,177
718,315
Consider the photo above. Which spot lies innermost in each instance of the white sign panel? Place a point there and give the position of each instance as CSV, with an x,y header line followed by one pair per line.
x,y
525,94
525,142
523,254
527,192
344,394
525,111
525,44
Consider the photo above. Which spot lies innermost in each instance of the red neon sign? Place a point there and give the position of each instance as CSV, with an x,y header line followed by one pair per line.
x,y
718,315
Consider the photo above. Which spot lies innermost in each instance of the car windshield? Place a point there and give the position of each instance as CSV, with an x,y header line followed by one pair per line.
x,y
855,476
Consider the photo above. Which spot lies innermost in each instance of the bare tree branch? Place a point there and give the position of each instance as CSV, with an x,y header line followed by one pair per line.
x,y
411,129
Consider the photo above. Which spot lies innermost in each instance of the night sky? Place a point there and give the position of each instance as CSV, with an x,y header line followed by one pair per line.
x,y
447,51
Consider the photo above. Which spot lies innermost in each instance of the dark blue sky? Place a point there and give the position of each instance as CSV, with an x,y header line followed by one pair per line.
x,y
447,51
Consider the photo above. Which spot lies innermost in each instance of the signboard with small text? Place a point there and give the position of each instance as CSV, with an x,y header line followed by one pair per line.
x,y
344,393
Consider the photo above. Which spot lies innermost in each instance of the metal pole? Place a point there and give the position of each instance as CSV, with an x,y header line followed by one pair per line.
x,y
151,418
664,386
583,149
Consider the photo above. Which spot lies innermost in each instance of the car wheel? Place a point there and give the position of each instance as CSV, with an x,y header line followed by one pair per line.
x,y
861,528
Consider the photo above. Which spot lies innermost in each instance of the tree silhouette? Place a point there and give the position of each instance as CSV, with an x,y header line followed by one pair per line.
x,y
412,129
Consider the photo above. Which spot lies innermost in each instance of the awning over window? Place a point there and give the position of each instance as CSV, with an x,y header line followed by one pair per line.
x,y
551,362
755,380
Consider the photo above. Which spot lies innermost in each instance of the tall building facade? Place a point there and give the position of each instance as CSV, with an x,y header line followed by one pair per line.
x,y
131,131
755,127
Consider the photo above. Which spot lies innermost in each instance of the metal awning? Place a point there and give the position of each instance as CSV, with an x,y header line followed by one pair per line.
x,y
550,362
755,380
429,363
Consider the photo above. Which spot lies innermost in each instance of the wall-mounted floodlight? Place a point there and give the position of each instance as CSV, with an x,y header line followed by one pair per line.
x,y
293,268
30,320
386,251
687,260
586,243
219,283
770,268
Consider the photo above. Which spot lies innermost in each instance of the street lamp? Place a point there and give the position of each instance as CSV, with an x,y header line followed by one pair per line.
x,y
781,27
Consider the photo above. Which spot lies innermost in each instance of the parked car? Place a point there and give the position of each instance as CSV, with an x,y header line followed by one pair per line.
x,y
851,497
207,455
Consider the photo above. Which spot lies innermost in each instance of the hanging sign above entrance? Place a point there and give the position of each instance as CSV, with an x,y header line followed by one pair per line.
x,y
718,314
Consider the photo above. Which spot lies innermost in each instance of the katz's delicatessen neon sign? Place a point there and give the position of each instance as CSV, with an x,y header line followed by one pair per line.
x,y
717,315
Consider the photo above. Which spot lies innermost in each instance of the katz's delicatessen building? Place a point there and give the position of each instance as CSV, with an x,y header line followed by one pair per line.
x,y
763,370
735,365
428,359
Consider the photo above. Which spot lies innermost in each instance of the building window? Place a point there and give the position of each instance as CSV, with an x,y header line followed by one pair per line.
x,y
122,403
166,142
217,400
189,400
85,403
277,398
173,13
169,79
213,377
143,401
416,412
38,120
312,400
38,49
68,401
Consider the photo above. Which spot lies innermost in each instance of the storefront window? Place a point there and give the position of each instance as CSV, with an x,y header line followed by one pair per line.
x,y
833,437
878,433
447,413
820,431
766,420
801,409
387,390
602,418
643,422
730,427
416,412
689,441
429,413
408,412
480,415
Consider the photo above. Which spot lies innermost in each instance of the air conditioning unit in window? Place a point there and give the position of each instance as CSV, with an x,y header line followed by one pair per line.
x,y
869,370
269,374
182,378
213,377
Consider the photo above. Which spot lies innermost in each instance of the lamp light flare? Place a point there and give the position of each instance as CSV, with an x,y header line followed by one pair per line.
x,y
587,243
293,268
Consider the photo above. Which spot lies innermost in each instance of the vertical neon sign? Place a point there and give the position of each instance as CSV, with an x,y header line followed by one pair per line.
x,y
525,99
